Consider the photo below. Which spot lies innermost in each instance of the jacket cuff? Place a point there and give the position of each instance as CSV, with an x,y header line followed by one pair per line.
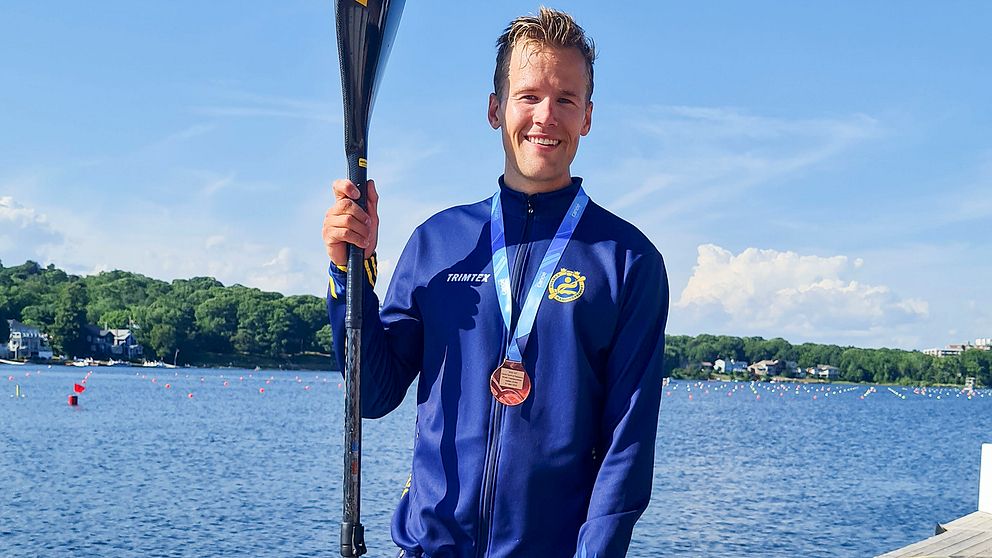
x,y
338,275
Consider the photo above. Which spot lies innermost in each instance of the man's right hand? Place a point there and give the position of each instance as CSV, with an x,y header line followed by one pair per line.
x,y
347,223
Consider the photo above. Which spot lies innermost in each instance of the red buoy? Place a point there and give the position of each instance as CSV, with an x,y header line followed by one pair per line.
x,y
73,400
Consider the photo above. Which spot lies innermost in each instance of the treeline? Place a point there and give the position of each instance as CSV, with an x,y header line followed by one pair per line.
x,y
684,355
197,317
201,317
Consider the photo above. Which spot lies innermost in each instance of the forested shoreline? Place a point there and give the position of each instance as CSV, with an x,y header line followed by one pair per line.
x,y
685,355
205,321
212,324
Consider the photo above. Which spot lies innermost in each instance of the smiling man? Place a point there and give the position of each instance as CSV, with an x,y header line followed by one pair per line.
x,y
535,321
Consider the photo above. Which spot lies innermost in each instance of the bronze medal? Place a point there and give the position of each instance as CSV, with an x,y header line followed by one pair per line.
x,y
510,383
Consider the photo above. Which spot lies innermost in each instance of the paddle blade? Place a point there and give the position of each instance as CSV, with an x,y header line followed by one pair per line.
x,y
366,30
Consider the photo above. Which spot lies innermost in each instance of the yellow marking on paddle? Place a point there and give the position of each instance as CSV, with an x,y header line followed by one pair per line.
x,y
363,2
362,162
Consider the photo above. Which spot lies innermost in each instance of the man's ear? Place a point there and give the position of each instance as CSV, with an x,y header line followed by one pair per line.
x,y
494,112
588,123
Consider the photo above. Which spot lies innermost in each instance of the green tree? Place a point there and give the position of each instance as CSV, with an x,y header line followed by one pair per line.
x,y
325,339
216,321
69,320
163,338
114,319
309,315
166,326
4,329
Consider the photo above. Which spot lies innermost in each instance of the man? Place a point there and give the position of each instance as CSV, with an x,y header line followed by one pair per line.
x,y
535,321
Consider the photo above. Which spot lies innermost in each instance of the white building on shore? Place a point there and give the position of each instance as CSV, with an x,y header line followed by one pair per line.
x,y
27,342
982,344
729,366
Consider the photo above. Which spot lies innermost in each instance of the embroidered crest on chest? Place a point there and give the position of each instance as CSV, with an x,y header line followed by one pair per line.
x,y
566,285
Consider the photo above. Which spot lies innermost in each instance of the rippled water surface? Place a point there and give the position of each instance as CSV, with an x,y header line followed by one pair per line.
x,y
252,468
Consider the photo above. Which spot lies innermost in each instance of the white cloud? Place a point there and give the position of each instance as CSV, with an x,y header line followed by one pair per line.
x,y
214,241
24,232
284,273
786,294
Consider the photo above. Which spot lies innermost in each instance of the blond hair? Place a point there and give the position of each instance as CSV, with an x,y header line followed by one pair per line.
x,y
550,28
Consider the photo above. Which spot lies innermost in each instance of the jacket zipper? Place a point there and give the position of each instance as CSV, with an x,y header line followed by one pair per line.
x,y
496,410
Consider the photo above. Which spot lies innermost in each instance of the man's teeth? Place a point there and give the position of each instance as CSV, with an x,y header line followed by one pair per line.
x,y
544,141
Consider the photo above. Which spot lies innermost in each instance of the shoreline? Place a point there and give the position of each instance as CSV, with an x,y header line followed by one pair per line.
x,y
317,362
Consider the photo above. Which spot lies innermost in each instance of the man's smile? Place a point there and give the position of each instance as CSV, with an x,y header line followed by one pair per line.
x,y
542,141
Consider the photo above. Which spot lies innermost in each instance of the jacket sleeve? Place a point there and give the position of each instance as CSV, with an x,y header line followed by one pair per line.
x,y
392,341
629,428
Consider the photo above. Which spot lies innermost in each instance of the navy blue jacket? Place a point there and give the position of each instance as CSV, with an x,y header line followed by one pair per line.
x,y
567,472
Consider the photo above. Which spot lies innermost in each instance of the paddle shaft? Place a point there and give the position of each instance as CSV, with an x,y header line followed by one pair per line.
x,y
352,531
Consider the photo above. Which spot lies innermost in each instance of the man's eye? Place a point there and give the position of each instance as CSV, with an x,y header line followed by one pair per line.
x,y
566,101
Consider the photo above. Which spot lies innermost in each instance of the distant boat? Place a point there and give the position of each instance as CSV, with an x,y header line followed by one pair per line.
x,y
156,364
12,362
84,362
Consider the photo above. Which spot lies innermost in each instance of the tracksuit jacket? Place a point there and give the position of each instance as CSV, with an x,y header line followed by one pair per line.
x,y
567,472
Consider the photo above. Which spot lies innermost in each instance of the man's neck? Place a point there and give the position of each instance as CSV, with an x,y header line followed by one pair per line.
x,y
530,188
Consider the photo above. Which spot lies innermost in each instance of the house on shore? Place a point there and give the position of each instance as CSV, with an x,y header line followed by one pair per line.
x,y
27,342
823,372
112,343
124,345
722,366
98,341
767,368
956,349
776,367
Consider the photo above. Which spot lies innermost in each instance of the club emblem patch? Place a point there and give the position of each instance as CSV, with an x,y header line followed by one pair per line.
x,y
566,286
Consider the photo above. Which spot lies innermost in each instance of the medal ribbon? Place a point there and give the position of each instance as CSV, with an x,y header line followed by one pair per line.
x,y
501,271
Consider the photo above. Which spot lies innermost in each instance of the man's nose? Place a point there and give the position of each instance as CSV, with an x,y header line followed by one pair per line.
x,y
544,113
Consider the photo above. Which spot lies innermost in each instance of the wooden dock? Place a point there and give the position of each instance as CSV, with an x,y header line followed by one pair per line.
x,y
966,537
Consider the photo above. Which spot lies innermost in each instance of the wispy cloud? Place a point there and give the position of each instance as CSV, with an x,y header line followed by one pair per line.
x,y
702,156
189,133
970,202
240,104
214,184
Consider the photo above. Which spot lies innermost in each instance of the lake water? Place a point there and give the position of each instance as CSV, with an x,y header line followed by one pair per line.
x,y
140,468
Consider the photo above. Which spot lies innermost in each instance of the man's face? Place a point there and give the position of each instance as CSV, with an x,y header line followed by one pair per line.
x,y
542,115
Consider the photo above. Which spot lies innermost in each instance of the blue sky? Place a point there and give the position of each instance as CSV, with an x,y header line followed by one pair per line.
x,y
820,172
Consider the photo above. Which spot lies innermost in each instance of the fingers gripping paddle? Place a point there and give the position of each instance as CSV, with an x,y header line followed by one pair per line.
x,y
365,30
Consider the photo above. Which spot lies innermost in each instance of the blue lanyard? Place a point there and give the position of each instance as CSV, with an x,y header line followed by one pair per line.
x,y
501,271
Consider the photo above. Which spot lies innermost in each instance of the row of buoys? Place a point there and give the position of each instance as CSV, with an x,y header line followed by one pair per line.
x,y
78,388
241,378
759,389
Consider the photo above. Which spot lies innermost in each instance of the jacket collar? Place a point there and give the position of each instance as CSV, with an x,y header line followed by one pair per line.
x,y
546,204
